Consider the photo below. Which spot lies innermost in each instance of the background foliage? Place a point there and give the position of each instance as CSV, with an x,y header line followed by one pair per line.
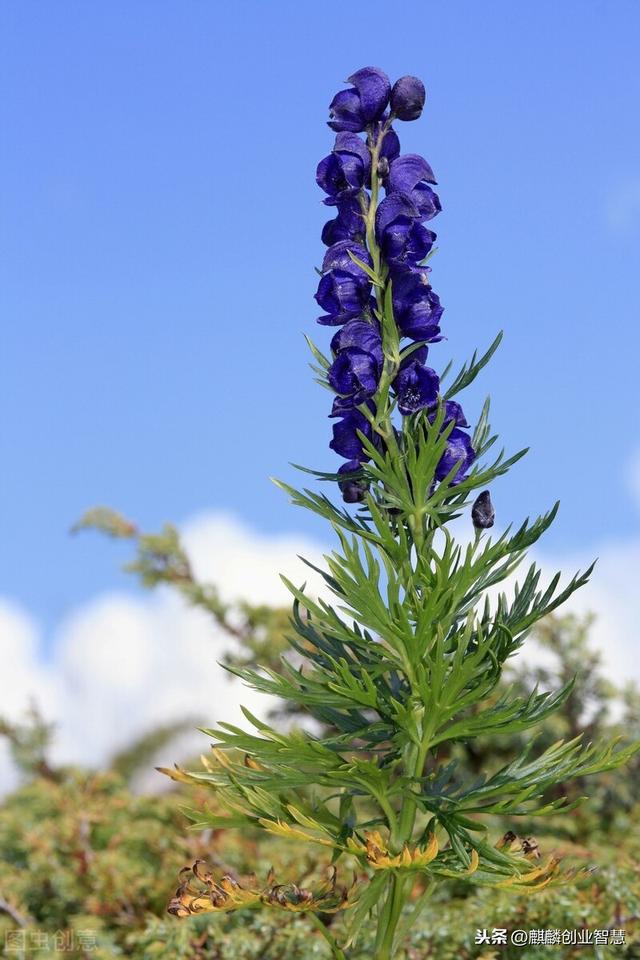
x,y
80,850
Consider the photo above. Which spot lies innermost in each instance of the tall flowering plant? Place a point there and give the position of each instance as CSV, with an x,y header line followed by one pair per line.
x,y
405,660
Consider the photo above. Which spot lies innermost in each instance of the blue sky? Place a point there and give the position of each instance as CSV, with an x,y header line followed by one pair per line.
x,y
160,224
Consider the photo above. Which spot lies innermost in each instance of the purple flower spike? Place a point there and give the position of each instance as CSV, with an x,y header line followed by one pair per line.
x,y
402,243
407,98
416,387
351,110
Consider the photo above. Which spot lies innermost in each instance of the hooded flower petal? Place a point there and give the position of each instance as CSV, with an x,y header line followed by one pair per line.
x,y
344,288
459,451
453,411
407,171
341,176
345,441
337,258
401,236
360,334
353,488
349,143
392,208
345,112
390,148
407,98
351,110
342,295
341,406
348,225
373,88
355,373
416,387
416,307
421,320
417,355
411,174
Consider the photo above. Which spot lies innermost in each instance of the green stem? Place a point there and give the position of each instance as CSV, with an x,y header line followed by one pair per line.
x,y
402,828
337,951
388,922
390,349
416,758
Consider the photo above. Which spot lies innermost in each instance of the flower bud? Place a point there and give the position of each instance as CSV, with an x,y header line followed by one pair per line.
x,y
407,98
383,167
482,512
352,487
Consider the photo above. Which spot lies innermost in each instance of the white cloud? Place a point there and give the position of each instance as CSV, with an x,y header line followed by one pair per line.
x,y
612,595
121,664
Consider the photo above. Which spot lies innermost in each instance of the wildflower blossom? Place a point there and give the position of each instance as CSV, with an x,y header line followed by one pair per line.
x,y
407,98
365,101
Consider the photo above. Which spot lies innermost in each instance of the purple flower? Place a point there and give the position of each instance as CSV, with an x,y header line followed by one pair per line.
x,y
411,174
458,451
352,109
348,225
483,514
341,406
401,236
345,441
344,288
337,258
389,150
417,309
342,295
360,334
353,488
453,411
418,354
346,170
355,371
407,98
416,387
